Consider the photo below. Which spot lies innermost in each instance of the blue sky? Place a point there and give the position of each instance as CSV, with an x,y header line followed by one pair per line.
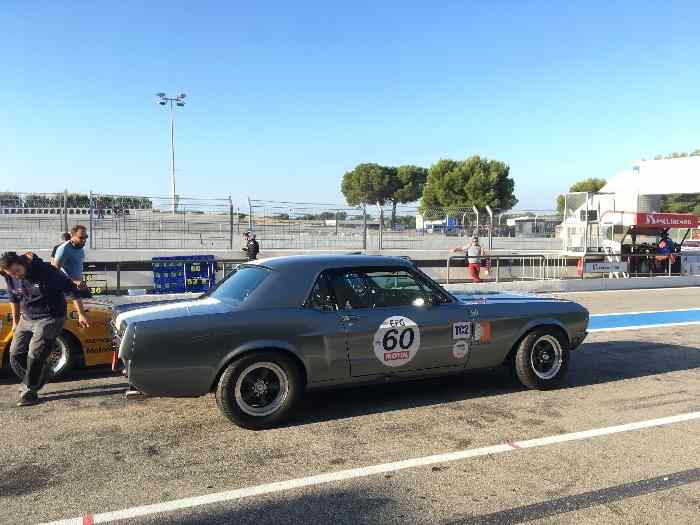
x,y
283,98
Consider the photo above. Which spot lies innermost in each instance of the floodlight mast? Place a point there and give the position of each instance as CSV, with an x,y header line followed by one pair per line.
x,y
179,101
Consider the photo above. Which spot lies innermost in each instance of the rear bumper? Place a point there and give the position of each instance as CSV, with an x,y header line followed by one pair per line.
x,y
166,381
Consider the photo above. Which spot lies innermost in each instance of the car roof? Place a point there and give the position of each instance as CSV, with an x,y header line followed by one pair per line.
x,y
292,277
318,263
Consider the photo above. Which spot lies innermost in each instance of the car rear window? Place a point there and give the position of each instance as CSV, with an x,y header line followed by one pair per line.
x,y
240,284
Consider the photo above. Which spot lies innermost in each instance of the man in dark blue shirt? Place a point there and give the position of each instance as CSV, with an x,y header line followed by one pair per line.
x,y
38,303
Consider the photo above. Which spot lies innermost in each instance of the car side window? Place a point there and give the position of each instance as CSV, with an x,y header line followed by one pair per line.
x,y
353,290
376,288
321,297
398,288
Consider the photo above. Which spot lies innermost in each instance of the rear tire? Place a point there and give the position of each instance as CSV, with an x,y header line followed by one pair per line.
x,y
542,359
259,390
61,360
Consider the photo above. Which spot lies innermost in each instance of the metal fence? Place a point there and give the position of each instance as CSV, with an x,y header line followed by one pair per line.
x,y
147,222
542,267
116,277
309,226
119,221
187,223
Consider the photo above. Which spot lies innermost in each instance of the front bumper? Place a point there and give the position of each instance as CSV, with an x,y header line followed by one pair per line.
x,y
116,342
121,348
577,340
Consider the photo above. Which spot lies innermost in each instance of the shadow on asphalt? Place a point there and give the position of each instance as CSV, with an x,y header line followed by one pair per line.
x,y
591,364
332,506
78,393
372,505
7,377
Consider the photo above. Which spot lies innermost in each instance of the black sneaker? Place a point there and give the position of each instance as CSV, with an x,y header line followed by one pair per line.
x,y
28,399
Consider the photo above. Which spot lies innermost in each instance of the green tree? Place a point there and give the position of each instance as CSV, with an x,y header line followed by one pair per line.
x,y
333,215
371,184
368,184
475,181
408,186
590,185
678,155
681,203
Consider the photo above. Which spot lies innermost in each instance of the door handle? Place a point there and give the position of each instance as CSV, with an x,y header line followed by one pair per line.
x,y
349,317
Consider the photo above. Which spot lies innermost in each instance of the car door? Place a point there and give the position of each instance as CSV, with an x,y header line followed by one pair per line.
x,y
323,340
396,322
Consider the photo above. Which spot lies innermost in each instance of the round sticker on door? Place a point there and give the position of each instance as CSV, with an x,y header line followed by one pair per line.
x,y
397,341
460,349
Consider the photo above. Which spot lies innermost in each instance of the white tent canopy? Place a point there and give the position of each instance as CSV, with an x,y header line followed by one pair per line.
x,y
657,177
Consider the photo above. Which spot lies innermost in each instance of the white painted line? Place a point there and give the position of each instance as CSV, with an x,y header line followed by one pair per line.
x,y
341,475
641,327
647,312
597,432
625,290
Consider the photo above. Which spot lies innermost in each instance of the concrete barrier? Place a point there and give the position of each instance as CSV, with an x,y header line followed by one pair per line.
x,y
578,285
573,285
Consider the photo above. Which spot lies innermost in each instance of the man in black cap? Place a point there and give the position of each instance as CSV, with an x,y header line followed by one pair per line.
x,y
251,247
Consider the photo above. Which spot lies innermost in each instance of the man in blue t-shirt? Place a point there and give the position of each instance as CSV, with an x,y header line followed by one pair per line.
x,y
70,255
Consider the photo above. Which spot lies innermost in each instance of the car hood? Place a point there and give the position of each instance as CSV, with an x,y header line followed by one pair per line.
x,y
171,310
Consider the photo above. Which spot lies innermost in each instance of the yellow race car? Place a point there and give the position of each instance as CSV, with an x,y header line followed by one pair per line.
x,y
76,347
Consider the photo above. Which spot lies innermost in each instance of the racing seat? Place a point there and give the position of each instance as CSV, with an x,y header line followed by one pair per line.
x,y
344,294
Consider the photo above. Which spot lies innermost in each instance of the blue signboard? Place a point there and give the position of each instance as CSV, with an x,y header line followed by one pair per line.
x,y
193,273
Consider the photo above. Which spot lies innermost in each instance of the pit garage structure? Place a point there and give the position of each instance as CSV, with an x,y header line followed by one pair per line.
x,y
622,228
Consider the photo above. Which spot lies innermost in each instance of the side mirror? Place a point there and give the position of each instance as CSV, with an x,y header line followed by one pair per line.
x,y
426,302
434,300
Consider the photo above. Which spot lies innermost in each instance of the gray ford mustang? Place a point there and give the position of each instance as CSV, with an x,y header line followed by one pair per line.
x,y
276,327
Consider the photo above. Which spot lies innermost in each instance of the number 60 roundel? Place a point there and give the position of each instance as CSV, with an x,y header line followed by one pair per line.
x,y
396,341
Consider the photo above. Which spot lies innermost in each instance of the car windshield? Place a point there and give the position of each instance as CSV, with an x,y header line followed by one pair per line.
x,y
238,286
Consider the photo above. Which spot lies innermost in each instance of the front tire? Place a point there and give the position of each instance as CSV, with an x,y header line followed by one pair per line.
x,y
259,390
60,361
542,359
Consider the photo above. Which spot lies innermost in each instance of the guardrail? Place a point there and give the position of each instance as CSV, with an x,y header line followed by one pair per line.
x,y
555,266
532,265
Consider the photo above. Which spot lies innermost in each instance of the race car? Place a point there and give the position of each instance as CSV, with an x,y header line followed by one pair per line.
x,y
75,346
277,327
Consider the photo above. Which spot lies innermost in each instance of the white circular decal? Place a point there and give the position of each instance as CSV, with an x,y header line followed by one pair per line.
x,y
460,349
397,341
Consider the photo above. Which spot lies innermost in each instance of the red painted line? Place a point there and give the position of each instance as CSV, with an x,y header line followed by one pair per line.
x,y
514,445
87,519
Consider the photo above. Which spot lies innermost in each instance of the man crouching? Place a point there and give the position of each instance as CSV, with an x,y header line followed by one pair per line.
x,y
37,293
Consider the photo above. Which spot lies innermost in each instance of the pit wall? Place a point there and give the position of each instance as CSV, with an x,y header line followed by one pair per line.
x,y
578,285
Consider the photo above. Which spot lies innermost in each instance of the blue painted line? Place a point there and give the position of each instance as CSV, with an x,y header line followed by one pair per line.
x,y
645,319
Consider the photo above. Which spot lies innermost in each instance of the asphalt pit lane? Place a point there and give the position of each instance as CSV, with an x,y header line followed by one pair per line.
x,y
25,479
151,450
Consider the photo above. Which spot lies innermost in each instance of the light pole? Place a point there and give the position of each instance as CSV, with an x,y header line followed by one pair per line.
x,y
179,101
